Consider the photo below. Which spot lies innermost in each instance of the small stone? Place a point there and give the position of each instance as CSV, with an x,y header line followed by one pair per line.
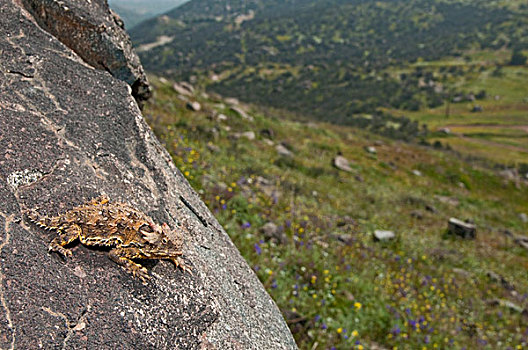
x,y
250,135
461,228
241,113
213,148
183,88
283,151
417,214
417,172
523,217
272,232
268,133
371,150
221,117
194,106
462,272
342,163
382,235
477,108
430,208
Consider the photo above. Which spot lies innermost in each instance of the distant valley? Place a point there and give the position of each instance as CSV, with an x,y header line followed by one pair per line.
x,y
384,66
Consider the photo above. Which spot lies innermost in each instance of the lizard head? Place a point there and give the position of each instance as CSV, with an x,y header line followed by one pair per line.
x,y
160,241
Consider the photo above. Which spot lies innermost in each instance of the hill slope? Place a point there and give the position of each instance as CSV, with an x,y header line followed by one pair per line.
x,y
327,58
306,227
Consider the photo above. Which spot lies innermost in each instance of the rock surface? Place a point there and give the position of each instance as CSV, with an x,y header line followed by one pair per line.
x,y
69,132
97,35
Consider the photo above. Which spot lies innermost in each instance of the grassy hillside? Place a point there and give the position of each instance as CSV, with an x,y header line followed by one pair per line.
x,y
306,227
327,58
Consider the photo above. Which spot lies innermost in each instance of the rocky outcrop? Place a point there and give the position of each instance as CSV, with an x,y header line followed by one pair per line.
x,y
96,34
68,133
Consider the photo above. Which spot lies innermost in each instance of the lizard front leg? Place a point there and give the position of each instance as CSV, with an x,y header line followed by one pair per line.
x,y
179,262
66,236
122,256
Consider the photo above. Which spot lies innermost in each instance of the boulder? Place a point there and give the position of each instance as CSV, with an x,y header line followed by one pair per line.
x,y
267,133
183,88
477,108
69,133
523,217
283,151
382,235
97,35
371,150
273,232
461,228
342,163
242,113
250,135
194,106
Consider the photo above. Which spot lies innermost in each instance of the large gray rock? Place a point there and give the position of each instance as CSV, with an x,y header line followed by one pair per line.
x,y
68,133
96,34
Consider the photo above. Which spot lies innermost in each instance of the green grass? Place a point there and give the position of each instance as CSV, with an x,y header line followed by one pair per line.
x,y
500,132
336,287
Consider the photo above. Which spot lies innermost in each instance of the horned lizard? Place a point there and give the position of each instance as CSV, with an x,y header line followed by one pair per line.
x,y
131,233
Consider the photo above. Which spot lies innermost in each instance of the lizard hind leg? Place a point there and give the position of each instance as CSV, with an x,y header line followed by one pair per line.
x,y
122,257
65,237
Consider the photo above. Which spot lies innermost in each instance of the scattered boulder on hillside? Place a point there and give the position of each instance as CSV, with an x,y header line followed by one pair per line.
x,y
509,174
267,133
273,232
213,148
194,106
382,235
495,277
461,228
232,101
417,214
242,113
462,272
221,117
417,172
183,88
371,150
430,208
97,35
477,109
267,187
508,305
523,217
519,239
445,131
345,221
342,163
448,200
283,151
250,135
